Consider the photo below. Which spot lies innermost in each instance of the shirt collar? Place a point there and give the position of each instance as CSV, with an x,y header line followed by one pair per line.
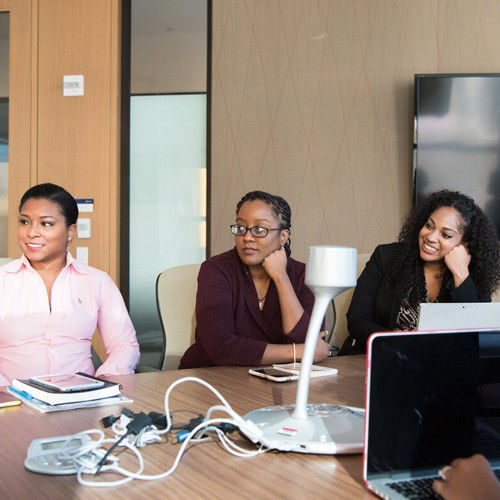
x,y
16,265
77,266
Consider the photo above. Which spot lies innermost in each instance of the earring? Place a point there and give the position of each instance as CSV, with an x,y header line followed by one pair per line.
x,y
69,238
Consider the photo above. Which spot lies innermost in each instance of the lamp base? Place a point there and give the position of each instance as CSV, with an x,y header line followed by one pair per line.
x,y
329,429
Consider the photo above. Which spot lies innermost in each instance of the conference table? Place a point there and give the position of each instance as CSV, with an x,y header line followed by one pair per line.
x,y
206,469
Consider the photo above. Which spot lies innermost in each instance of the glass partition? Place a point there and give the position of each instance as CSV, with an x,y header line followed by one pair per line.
x,y
168,152
167,194
4,128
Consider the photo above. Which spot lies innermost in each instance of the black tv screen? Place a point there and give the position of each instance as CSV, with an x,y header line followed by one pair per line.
x,y
457,137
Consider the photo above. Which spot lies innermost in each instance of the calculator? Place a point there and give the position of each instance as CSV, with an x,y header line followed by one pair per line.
x,y
44,455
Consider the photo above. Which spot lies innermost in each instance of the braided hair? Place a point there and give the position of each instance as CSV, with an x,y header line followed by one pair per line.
x,y
279,205
478,233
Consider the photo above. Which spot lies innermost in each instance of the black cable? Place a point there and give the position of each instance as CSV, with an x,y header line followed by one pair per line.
x,y
105,457
140,421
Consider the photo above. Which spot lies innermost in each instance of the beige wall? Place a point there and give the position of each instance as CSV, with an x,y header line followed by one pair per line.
x,y
313,100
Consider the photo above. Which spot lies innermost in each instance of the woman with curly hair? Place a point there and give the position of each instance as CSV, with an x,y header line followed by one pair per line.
x,y
448,251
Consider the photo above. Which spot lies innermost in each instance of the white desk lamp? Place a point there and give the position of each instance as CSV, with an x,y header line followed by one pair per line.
x,y
316,428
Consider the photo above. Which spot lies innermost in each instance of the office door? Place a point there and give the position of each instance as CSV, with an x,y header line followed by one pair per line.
x,y
15,103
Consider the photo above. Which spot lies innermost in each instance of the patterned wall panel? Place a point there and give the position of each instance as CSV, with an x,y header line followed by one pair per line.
x,y
313,100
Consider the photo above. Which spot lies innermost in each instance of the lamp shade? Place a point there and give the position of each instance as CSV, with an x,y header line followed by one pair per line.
x,y
331,266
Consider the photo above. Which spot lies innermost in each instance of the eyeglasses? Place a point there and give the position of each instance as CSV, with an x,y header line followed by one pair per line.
x,y
257,231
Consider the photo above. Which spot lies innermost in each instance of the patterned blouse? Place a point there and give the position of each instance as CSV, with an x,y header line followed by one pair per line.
x,y
407,318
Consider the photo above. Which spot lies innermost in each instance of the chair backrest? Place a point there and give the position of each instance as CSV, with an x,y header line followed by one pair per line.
x,y
342,303
176,299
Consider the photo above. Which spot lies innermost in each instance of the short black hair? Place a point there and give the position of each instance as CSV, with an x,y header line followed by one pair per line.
x,y
56,194
280,207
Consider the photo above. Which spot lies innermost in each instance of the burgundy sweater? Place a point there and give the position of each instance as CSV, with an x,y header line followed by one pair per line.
x,y
230,327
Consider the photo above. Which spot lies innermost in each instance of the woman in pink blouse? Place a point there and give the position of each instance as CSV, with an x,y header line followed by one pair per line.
x,y
50,304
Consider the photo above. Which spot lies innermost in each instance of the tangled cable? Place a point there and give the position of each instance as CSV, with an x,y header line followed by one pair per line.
x,y
136,432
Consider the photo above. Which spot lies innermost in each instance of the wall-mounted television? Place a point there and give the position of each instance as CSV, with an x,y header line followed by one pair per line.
x,y
457,137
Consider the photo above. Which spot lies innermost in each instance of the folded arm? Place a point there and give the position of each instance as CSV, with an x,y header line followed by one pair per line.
x,y
216,329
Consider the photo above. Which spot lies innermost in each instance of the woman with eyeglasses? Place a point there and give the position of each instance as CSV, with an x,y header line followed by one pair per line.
x,y
252,306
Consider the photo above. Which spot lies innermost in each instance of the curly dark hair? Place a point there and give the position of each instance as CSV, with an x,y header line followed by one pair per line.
x,y
478,232
280,207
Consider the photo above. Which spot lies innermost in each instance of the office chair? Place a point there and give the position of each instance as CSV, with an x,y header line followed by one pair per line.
x,y
340,306
176,299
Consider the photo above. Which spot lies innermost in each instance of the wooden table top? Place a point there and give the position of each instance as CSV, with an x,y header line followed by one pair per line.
x,y
206,470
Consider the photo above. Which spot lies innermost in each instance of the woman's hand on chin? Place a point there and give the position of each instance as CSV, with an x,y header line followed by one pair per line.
x,y
275,264
457,260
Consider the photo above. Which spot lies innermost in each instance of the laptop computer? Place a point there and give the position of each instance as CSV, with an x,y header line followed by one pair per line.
x,y
440,316
431,397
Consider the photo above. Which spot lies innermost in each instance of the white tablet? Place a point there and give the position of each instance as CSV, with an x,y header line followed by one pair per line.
x,y
67,383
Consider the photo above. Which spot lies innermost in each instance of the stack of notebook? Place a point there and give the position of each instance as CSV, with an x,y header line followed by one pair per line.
x,y
46,399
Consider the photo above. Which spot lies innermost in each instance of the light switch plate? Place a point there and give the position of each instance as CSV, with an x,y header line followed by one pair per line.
x,y
83,228
82,255
72,85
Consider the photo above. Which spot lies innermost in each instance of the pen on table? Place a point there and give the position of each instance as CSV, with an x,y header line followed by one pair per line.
x,y
23,394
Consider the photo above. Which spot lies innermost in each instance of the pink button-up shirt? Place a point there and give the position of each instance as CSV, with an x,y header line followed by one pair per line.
x,y
37,340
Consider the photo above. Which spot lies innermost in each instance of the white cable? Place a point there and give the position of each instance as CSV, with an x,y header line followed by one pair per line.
x,y
195,431
87,458
120,426
148,435
114,468
213,409
228,408
233,448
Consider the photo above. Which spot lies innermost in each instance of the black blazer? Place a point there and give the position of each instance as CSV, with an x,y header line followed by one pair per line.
x,y
375,303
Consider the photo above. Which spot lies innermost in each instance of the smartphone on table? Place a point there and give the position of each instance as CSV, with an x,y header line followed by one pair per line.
x,y
67,383
273,374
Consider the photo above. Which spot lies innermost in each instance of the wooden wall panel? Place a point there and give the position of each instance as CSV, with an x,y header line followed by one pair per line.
x,y
20,109
78,136
313,100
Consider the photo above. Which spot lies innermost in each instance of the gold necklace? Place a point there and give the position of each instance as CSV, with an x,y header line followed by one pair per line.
x,y
439,276
261,301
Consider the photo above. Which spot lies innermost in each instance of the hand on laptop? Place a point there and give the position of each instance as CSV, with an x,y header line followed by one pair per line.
x,y
468,478
457,260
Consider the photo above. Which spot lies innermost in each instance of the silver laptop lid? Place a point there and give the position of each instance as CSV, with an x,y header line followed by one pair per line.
x,y
431,397
440,316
